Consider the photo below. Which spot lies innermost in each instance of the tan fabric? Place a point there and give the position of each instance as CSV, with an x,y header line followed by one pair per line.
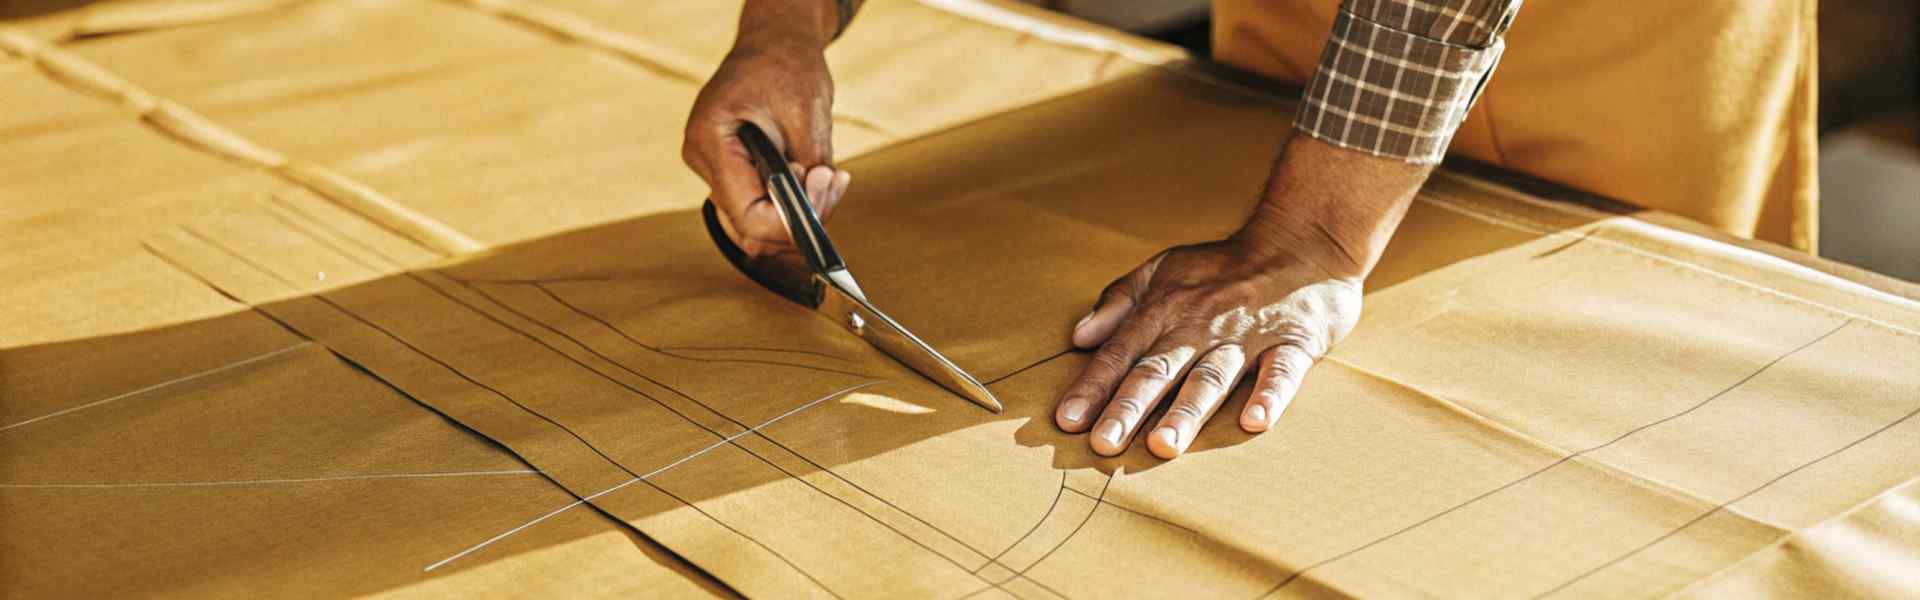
x,y
1703,109
1540,399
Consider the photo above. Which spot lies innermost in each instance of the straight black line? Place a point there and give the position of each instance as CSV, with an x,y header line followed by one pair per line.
x,y
1097,503
617,331
424,354
1057,493
195,275
756,433
583,441
1026,368
623,467
584,346
856,509
241,257
743,535
449,419
534,280
1563,460
311,235
303,214
757,348
1138,513
475,309
725,438
1076,530
630,338
1724,505
870,494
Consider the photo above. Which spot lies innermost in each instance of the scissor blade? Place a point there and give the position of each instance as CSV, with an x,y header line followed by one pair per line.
x,y
835,296
855,313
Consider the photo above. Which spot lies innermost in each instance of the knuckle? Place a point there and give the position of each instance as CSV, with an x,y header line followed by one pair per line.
x,y
1212,375
1232,325
1128,408
1119,289
1184,411
1164,365
690,153
1109,362
1293,332
1289,362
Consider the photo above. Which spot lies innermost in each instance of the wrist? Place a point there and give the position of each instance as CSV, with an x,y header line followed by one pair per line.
x,y
1331,206
787,25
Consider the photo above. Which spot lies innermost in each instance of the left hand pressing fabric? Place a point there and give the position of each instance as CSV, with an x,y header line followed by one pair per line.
x,y
1268,301
1202,316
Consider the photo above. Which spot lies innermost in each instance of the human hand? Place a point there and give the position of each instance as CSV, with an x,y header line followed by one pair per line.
x,y
776,79
1203,316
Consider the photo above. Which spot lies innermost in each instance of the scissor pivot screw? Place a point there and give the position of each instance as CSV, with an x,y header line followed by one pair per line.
x,y
855,322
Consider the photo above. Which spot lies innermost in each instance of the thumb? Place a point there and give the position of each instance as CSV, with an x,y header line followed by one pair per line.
x,y
1098,325
1116,302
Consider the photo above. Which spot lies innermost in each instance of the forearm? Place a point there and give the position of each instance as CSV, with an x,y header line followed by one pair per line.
x,y
1338,204
814,23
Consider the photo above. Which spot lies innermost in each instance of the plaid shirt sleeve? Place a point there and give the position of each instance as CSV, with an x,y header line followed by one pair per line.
x,y
1398,76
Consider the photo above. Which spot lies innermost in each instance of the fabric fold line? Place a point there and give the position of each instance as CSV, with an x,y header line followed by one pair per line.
x,y
183,125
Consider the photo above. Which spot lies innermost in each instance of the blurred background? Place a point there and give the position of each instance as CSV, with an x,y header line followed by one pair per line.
x,y
1869,116
1869,112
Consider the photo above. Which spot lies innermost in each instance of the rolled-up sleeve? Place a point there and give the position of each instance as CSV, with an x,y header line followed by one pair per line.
x,y
1398,76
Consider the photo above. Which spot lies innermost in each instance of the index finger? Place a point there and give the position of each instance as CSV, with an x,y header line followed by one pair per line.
x,y
717,155
1089,393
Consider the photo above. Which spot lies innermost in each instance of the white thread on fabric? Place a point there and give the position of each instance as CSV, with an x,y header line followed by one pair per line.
x,y
649,474
183,379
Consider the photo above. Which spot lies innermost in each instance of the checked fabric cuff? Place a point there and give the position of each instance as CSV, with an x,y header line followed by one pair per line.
x,y
1392,93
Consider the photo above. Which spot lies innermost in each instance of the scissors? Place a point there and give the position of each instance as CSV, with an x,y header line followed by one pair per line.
x,y
824,285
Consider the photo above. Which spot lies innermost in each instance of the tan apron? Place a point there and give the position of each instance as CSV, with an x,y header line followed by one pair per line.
x,y
1703,108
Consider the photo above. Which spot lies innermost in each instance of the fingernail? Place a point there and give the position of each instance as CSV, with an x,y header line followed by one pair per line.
x,y
1083,321
1074,410
1257,413
1167,438
1109,432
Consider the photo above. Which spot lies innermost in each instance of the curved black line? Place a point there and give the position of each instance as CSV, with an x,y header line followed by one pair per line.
x,y
1137,513
622,333
443,293
1057,493
1724,505
1563,460
583,441
715,412
623,467
596,450
1097,503
776,554
422,353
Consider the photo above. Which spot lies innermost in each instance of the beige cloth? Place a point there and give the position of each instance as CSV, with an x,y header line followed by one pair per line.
x,y
1539,399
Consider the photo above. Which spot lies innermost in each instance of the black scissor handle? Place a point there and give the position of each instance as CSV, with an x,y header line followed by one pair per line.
x,y
790,196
